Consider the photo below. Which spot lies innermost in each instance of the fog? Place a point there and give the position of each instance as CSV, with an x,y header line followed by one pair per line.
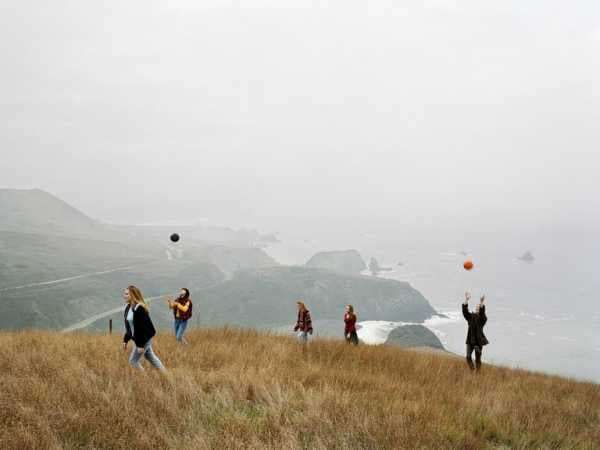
x,y
442,113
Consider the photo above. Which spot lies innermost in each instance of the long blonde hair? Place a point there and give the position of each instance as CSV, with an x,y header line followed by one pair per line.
x,y
301,305
136,297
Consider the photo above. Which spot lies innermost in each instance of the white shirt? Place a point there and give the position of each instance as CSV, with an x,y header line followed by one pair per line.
x,y
130,318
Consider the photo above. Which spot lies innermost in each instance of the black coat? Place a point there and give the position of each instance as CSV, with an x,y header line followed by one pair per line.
x,y
143,329
476,322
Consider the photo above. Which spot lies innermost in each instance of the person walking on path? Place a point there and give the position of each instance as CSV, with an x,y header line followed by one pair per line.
x,y
475,337
182,312
139,328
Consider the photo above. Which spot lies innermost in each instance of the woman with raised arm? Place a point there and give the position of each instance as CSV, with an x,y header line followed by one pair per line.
x,y
475,337
182,312
139,328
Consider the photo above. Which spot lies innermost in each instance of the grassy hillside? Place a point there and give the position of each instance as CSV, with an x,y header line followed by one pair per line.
x,y
242,389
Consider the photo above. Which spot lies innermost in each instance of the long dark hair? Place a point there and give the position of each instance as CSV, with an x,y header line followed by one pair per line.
x,y
351,311
186,295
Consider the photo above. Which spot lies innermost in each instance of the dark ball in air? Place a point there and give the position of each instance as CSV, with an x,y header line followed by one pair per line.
x,y
174,237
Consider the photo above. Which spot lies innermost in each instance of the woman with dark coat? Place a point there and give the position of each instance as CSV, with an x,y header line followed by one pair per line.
x,y
475,337
350,325
139,328
303,323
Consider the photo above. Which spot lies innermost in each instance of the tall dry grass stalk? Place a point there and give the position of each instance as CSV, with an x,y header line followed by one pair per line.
x,y
243,389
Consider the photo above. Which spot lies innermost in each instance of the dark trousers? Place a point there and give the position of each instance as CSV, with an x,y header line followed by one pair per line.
x,y
352,338
478,349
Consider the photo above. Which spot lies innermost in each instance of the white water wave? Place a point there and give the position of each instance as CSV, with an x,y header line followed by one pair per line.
x,y
451,317
432,324
375,332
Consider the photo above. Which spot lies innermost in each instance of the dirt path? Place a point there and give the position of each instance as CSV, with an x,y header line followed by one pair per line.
x,y
90,320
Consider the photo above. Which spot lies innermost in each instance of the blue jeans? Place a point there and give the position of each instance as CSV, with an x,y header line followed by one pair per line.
x,y
134,358
180,326
302,337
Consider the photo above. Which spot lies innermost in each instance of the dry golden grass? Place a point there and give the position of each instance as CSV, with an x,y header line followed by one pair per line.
x,y
243,389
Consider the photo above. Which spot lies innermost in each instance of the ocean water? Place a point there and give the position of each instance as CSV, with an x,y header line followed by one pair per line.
x,y
543,315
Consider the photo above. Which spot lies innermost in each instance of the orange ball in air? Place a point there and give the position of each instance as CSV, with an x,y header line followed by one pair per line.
x,y
468,265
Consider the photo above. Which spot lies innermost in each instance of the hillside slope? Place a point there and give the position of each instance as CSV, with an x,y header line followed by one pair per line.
x,y
414,336
243,389
34,210
345,261
266,297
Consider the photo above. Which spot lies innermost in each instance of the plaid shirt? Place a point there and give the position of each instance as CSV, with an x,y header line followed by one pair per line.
x,y
304,323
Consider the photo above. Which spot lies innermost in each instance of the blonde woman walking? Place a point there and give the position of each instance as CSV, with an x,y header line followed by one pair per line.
x,y
139,328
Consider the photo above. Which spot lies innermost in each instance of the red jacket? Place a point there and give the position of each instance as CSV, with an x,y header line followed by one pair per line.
x,y
350,321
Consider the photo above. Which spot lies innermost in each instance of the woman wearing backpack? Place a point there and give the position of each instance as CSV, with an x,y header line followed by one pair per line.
x,y
350,325
139,328
182,312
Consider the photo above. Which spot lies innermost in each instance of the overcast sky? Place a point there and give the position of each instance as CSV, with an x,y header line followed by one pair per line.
x,y
279,112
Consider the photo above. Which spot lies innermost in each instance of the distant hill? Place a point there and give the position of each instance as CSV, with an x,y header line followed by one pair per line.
x,y
57,305
232,259
241,389
346,261
27,258
58,266
37,211
414,336
267,297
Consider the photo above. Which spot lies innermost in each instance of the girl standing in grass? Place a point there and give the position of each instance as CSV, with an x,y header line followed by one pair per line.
x,y
139,328
182,312
303,323
350,325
